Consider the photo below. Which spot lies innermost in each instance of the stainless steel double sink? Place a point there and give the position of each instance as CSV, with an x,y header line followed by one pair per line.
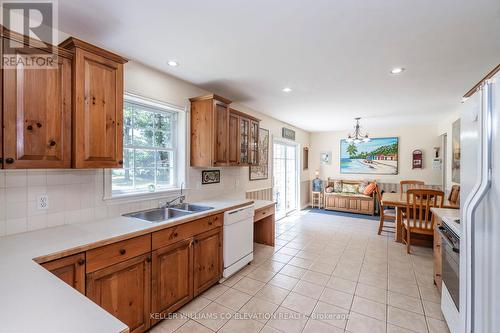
x,y
158,215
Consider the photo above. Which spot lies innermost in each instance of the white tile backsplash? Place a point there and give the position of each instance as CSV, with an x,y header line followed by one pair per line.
x,y
75,196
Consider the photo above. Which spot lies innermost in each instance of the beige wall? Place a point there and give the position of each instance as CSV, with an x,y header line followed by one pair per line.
x,y
423,137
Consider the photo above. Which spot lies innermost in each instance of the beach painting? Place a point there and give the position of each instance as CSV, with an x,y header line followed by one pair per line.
x,y
378,156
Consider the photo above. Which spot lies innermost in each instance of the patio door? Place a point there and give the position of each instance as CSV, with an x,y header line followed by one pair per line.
x,y
285,178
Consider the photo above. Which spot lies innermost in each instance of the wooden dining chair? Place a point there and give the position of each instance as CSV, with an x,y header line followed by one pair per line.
x,y
406,185
417,217
454,196
386,214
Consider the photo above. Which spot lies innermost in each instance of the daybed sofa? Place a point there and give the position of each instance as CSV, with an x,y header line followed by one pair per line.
x,y
348,196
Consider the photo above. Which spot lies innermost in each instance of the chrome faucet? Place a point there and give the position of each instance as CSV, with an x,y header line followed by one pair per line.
x,y
180,197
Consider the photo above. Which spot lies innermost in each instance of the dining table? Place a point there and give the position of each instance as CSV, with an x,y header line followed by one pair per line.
x,y
399,201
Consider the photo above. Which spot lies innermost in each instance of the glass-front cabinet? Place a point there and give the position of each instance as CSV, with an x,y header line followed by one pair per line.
x,y
254,142
244,141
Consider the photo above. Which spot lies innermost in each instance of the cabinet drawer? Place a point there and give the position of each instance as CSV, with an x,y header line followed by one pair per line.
x,y
182,231
117,252
261,213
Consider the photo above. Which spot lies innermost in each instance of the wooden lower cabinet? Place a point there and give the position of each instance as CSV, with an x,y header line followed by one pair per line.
x,y
69,269
139,286
438,262
123,290
172,278
207,260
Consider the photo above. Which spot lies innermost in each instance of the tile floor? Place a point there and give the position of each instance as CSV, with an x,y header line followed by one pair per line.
x,y
326,274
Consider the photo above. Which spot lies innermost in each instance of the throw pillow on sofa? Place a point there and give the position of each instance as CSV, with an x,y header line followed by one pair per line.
x,y
350,188
362,187
337,185
370,188
329,189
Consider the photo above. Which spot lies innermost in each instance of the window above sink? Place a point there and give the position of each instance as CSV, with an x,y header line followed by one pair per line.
x,y
154,144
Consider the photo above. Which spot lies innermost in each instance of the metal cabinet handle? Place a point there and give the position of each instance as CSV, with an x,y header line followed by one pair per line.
x,y
81,262
123,251
148,259
52,143
29,128
120,162
9,160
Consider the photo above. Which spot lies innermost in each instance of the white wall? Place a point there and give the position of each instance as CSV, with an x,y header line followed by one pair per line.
x,y
76,195
423,137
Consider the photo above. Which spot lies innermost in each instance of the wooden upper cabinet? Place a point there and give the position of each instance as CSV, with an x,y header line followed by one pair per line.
x,y
207,253
209,131
244,141
123,290
69,269
97,106
234,123
37,112
254,142
220,136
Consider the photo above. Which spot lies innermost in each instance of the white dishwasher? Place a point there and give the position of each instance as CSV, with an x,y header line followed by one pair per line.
x,y
238,239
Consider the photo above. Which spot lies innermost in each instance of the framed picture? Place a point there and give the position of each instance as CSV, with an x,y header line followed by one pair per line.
x,y
455,150
261,171
378,156
326,157
210,177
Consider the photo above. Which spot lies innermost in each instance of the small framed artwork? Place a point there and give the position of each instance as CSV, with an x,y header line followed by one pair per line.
x,y
210,177
326,157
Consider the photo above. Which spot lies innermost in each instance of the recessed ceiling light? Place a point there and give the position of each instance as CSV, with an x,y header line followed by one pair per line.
x,y
287,89
173,63
397,70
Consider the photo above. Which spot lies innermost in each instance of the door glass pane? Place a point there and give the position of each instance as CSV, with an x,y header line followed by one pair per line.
x,y
291,179
285,178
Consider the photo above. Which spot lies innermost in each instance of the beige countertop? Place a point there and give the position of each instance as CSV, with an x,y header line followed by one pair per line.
x,y
34,300
446,212
259,204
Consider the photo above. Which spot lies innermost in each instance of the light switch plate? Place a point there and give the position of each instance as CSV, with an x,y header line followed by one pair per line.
x,y
42,201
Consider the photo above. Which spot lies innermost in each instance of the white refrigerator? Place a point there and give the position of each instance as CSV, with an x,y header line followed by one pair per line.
x,y
479,270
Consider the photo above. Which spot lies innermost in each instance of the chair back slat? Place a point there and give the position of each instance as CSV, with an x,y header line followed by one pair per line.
x,y
406,185
418,207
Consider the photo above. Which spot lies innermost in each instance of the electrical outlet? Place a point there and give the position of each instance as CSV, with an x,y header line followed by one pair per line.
x,y
43,201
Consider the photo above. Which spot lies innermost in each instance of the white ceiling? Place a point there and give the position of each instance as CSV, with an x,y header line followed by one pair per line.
x,y
336,55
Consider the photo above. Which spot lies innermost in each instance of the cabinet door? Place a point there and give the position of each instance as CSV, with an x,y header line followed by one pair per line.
x,y
37,115
438,263
207,260
254,143
244,141
233,138
69,269
98,112
124,291
172,280
221,123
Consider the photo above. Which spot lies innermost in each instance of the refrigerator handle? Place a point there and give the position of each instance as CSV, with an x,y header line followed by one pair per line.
x,y
481,191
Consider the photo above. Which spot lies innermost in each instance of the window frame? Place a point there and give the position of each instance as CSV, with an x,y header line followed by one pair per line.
x,y
178,149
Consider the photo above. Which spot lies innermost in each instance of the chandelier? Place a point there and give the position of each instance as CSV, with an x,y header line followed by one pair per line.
x,y
357,136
